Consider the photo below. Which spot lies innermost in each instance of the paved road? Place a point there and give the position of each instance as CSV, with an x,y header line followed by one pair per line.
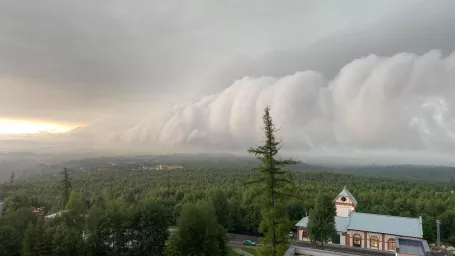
x,y
236,240
241,238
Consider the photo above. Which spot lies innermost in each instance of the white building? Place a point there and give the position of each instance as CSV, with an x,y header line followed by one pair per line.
x,y
365,230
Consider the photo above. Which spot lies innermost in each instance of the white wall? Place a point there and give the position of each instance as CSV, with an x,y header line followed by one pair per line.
x,y
343,210
348,201
342,239
300,237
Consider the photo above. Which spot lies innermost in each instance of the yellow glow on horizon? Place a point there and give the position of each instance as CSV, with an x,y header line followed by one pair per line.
x,y
15,126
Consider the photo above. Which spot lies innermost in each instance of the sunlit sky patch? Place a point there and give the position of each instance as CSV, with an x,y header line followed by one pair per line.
x,y
16,126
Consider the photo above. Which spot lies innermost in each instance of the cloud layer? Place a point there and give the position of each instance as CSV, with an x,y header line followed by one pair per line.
x,y
84,61
402,102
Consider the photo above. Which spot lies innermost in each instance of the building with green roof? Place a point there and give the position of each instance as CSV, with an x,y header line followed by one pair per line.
x,y
366,230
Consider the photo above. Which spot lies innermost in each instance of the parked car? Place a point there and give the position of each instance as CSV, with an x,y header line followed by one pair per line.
x,y
249,242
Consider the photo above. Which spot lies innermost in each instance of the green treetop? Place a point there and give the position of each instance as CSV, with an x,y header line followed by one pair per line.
x,y
321,223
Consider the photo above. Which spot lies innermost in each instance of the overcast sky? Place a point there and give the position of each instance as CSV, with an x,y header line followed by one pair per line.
x,y
86,60
168,73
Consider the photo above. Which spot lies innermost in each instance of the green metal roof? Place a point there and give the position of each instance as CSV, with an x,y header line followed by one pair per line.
x,y
402,226
340,223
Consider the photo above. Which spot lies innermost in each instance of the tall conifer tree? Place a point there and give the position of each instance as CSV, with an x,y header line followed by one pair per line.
x,y
273,187
66,184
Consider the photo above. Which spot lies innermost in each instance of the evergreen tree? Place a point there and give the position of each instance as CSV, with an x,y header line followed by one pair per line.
x,y
45,245
150,223
198,233
274,188
10,240
17,201
39,232
296,210
219,200
67,241
321,222
12,177
75,214
29,241
172,247
66,184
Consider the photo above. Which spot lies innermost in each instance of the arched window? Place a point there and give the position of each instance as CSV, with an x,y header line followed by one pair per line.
x,y
374,242
391,244
357,240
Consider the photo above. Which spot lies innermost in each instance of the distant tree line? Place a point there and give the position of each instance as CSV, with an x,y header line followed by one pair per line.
x,y
234,203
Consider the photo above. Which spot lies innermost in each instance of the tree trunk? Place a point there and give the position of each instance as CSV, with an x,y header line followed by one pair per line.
x,y
322,243
273,217
272,199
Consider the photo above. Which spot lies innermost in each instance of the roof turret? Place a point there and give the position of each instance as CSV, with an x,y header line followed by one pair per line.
x,y
345,192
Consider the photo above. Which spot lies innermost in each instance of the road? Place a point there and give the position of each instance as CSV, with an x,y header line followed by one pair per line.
x,y
236,240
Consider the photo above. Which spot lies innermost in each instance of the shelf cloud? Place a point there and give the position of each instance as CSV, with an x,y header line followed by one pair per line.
x,y
402,102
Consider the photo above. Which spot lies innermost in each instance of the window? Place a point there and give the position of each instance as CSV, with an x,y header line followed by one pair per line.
x,y
374,242
391,244
357,240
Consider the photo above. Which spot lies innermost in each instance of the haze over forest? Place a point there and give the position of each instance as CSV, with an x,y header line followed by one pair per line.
x,y
346,81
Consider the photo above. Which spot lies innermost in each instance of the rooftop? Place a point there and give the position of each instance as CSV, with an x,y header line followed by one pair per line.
x,y
340,223
385,224
345,192
412,246
403,226
57,214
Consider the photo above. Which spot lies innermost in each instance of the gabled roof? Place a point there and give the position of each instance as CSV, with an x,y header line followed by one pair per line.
x,y
345,192
340,223
402,226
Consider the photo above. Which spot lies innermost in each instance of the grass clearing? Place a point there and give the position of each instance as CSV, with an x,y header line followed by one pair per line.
x,y
252,251
231,252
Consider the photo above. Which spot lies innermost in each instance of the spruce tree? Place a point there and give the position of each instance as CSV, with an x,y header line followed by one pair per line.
x,y
321,222
29,241
198,232
273,189
66,184
12,177
39,237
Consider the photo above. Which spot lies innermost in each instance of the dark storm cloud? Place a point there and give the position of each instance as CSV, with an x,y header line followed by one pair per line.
x,y
417,28
357,75
400,98
403,102
84,60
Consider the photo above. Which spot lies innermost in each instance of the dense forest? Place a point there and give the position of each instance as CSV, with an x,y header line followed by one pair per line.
x,y
122,192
